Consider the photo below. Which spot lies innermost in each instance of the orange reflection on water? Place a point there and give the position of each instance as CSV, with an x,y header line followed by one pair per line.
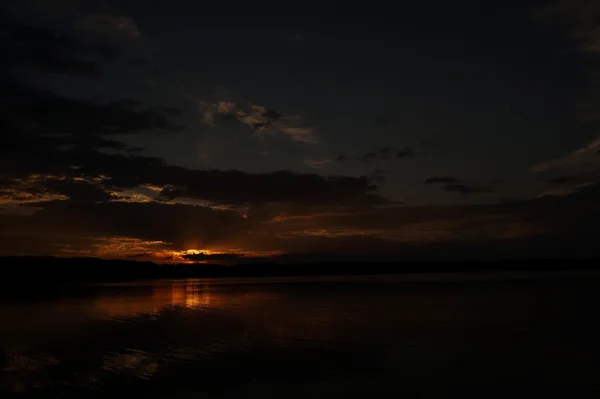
x,y
201,297
152,299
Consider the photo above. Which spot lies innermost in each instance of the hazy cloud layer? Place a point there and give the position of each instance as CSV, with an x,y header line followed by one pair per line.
x,y
391,230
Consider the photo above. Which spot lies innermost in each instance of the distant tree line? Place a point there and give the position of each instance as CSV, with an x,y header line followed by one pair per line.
x,y
36,270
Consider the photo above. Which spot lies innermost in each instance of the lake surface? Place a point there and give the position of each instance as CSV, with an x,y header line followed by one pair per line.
x,y
296,338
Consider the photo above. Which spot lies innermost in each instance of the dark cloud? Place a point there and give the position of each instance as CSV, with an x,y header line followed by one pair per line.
x,y
142,255
385,152
576,19
541,227
236,187
381,154
50,149
178,225
119,172
404,153
368,157
50,163
272,115
80,143
30,48
442,179
573,214
78,191
468,189
212,257
38,112
378,176
563,179
55,136
37,122
518,228
52,166
127,103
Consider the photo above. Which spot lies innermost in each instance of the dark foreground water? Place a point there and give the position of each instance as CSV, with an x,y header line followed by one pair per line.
x,y
330,338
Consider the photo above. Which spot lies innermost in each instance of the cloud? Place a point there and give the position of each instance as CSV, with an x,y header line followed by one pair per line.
x,y
522,228
586,154
468,189
213,257
78,190
96,17
578,19
36,121
180,226
45,133
517,228
261,119
28,47
48,134
41,112
577,22
301,134
454,185
20,198
142,255
222,109
73,197
378,176
61,8
404,153
563,179
121,172
236,187
380,154
318,163
118,26
442,179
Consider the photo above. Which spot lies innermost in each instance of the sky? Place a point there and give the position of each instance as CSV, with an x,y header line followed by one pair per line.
x,y
186,131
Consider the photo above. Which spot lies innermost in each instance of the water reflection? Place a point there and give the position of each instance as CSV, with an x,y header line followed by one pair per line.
x,y
293,339
152,300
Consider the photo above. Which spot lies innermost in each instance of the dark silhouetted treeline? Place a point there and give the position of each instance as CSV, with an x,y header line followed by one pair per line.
x,y
54,270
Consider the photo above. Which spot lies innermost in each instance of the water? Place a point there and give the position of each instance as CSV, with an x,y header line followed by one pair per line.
x,y
351,337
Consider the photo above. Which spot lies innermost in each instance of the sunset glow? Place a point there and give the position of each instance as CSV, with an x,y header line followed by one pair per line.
x,y
336,145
